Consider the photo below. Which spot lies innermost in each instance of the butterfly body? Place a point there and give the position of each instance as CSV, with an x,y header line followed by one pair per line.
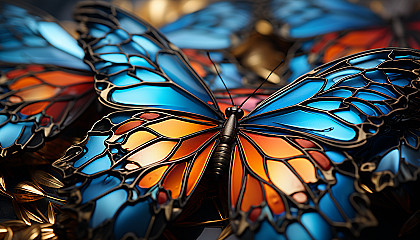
x,y
221,157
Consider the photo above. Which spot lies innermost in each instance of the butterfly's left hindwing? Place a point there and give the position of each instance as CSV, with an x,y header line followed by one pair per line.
x,y
287,186
137,165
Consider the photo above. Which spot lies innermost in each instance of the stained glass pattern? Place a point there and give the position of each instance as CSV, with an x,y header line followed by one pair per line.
x,y
296,160
38,101
29,36
143,163
134,59
356,28
44,84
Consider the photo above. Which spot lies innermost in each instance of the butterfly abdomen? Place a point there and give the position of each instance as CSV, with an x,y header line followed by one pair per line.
x,y
220,159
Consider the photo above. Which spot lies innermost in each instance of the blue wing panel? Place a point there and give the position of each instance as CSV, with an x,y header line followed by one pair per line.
x,y
212,27
303,18
215,28
31,38
131,58
336,100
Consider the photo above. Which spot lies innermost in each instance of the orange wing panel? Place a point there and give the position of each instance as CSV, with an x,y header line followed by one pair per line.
x,y
283,177
198,168
34,108
304,168
128,126
24,82
254,159
253,194
153,177
153,154
63,78
173,180
236,178
274,147
190,145
273,200
175,128
39,92
136,139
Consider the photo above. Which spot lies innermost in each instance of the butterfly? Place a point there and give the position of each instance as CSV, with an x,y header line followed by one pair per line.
x,y
331,29
286,168
44,84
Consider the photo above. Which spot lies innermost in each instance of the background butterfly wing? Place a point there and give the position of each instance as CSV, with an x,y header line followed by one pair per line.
x,y
39,101
309,18
136,66
334,41
44,83
29,36
215,27
374,92
136,170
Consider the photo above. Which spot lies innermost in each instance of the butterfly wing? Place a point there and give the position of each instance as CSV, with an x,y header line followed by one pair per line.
x,y
136,170
217,26
145,162
309,18
341,96
305,179
39,101
29,36
327,47
401,31
288,187
44,84
136,66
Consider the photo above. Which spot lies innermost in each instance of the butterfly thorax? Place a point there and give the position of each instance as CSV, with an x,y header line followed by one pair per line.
x,y
220,159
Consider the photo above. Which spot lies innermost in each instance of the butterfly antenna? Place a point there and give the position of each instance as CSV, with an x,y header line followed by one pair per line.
x,y
224,84
252,94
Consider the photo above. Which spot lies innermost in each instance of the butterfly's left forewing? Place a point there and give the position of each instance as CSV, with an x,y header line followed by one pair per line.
x,y
137,164
286,186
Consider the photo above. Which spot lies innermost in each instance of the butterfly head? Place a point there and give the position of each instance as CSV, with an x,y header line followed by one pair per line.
x,y
239,113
